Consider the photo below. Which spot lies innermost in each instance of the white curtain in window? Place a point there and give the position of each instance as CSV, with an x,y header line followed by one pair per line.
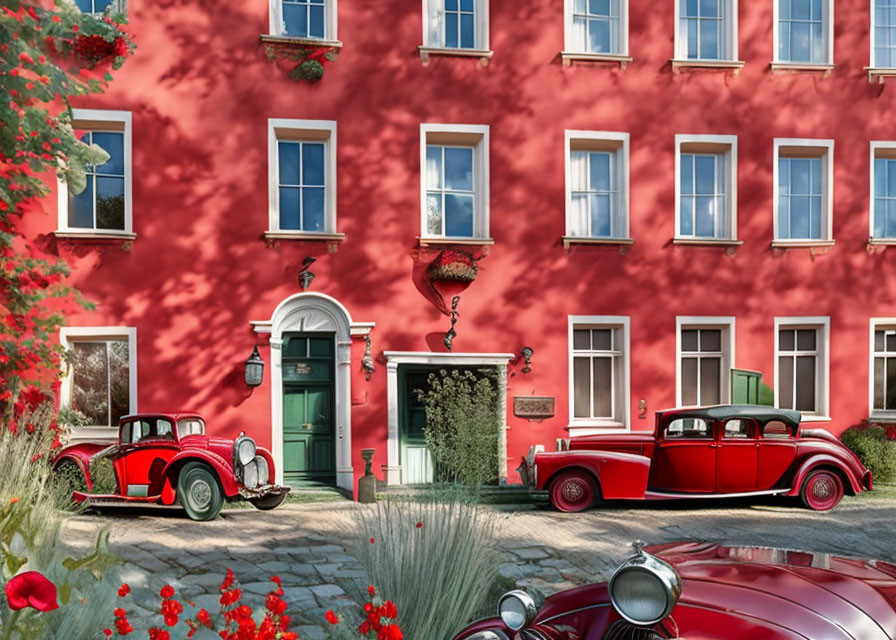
x,y
278,26
578,178
434,23
579,34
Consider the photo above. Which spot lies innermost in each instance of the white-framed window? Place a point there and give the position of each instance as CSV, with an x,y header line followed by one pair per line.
x,y
597,184
804,178
302,176
455,181
706,180
455,24
303,19
802,352
105,205
96,7
705,348
883,34
599,373
883,191
596,26
804,31
100,376
882,390
706,30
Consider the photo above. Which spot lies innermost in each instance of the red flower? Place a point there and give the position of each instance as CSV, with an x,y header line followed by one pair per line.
x,y
31,589
372,540
332,618
419,525
123,590
107,632
204,618
390,632
167,591
389,610
371,590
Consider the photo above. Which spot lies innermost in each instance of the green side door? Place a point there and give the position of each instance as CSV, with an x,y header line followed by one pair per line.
x,y
308,407
416,461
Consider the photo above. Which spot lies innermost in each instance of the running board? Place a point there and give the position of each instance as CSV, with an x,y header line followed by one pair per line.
x,y
94,499
656,495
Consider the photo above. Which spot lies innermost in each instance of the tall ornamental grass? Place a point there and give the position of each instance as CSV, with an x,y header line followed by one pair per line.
x,y
436,558
30,527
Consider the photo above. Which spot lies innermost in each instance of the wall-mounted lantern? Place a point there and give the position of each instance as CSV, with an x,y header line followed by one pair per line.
x,y
367,360
305,276
527,354
254,369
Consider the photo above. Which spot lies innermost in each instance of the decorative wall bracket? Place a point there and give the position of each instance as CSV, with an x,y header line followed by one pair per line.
x,y
452,334
306,276
367,360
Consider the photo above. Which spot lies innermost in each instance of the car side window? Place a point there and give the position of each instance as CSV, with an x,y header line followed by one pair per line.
x,y
737,428
775,429
688,428
126,433
141,430
164,429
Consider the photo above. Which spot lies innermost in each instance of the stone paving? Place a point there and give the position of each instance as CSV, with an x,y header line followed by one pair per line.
x,y
310,545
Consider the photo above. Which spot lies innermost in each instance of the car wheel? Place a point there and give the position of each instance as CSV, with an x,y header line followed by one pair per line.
x,y
71,477
268,502
573,491
822,490
199,493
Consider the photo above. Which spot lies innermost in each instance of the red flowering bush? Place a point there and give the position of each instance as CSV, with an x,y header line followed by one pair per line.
x,y
43,54
379,622
453,265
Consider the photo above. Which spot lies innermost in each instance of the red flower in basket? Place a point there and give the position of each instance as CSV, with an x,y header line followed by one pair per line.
x,y
31,589
453,265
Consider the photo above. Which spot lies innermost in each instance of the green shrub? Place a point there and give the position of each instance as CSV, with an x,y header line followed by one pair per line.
x,y
435,558
462,426
874,448
102,474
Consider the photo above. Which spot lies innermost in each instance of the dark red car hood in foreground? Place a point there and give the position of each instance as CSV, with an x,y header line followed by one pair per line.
x,y
742,593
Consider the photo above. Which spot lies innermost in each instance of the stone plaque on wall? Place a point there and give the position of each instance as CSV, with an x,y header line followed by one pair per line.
x,y
538,407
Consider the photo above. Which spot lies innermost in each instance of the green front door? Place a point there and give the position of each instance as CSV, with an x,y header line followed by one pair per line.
x,y
416,461
308,397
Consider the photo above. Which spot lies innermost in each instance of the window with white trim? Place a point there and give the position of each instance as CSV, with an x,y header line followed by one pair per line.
x,y
302,176
303,19
883,34
883,190
95,7
707,30
454,164
599,366
597,184
104,206
804,31
803,189
704,361
801,364
100,379
706,204
455,24
596,26
883,369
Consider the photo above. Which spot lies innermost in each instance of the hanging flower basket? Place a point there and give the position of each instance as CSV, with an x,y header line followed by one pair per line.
x,y
307,61
452,265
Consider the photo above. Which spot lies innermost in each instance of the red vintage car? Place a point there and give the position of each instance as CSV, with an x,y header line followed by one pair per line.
x,y
166,458
699,591
727,450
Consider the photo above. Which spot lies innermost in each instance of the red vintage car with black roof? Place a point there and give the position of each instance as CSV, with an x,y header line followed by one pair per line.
x,y
718,451
166,458
705,591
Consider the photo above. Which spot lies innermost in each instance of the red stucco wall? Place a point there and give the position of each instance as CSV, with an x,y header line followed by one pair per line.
x,y
201,92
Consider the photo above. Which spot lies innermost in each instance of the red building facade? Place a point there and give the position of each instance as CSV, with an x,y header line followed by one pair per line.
x,y
656,194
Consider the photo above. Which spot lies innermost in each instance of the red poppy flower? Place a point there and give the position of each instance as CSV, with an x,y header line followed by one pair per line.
x,y
390,632
167,591
332,618
419,525
389,610
123,590
371,590
107,632
372,540
31,589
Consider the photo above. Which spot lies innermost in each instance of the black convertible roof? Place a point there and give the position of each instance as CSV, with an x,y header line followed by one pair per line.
x,y
761,413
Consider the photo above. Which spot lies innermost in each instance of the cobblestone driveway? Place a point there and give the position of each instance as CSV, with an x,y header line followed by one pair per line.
x,y
309,545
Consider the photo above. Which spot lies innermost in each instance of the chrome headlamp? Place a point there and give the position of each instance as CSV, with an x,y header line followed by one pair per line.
x,y
518,609
261,466
243,450
250,475
488,635
644,589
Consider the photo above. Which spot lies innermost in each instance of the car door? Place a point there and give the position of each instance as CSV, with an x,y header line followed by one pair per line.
x,y
737,456
777,451
685,457
142,460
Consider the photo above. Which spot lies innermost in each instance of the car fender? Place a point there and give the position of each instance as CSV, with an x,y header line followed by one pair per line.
x,y
619,475
221,467
810,464
81,459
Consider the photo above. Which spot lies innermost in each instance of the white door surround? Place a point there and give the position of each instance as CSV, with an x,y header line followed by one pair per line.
x,y
392,469
314,312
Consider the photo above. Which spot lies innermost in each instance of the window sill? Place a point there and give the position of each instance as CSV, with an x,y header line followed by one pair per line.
x,y
484,55
802,244
457,241
879,245
301,42
707,242
707,65
885,418
93,434
798,67
96,236
572,241
880,73
806,418
882,241
568,57
594,427
272,238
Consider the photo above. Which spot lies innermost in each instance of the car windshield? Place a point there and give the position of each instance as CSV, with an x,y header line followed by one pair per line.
x,y
190,427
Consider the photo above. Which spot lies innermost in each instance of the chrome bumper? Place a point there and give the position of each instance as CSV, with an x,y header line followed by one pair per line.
x,y
266,490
